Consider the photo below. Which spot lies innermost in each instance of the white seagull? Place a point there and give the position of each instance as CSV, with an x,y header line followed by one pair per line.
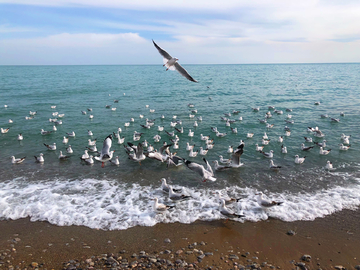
x,y
172,64
322,151
299,160
40,158
106,154
160,207
17,160
227,212
206,174
329,166
51,146
266,203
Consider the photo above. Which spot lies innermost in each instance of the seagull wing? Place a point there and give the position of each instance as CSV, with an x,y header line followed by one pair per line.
x,y
208,167
162,52
183,72
106,146
235,157
139,151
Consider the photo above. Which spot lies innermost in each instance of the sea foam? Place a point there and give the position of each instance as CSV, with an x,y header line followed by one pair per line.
x,y
109,205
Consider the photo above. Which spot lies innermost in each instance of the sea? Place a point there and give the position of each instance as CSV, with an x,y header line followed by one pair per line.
x,y
116,197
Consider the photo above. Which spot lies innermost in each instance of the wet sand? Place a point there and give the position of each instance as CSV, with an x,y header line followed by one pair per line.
x,y
331,241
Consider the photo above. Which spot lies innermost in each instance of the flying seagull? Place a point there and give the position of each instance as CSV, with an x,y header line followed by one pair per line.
x,y
172,64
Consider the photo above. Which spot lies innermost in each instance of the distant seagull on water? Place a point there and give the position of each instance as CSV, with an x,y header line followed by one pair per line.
x,y
172,64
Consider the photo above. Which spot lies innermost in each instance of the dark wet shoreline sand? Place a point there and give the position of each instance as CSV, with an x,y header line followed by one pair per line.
x,y
330,241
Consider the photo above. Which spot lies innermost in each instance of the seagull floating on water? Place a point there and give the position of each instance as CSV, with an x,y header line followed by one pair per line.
x,y
299,160
226,211
17,160
266,203
172,64
40,158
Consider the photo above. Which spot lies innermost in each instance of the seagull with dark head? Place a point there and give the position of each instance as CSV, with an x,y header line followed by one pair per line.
x,y
172,64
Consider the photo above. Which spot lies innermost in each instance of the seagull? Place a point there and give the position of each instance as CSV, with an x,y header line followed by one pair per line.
x,y
219,134
308,139
173,160
69,149
166,188
92,148
256,109
89,160
259,148
54,128
120,140
336,120
181,130
281,139
268,154
249,135
176,196
206,174
90,133
51,146
329,166
227,212
83,112
230,149
323,151
155,155
344,147
191,133
218,167
138,154
204,138
85,155
273,166
265,142
160,207
283,149
172,64
235,157
17,160
228,200
20,137
115,161
43,132
266,203
265,136
222,160
63,157
203,152
40,158
299,160
193,153
65,140
321,144
214,129
157,138
106,154
306,148
346,141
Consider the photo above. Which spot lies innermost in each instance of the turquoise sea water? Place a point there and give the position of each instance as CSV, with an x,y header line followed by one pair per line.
x,y
118,197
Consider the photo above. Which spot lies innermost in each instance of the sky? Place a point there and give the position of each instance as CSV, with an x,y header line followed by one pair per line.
x,y
117,32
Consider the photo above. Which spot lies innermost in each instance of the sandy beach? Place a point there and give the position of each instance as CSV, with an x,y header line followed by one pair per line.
x,y
332,243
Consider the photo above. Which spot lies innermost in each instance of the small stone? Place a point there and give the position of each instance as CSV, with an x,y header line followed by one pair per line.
x,y
202,243
178,252
291,233
167,251
209,254
339,267
357,267
202,256
167,240
306,258
233,256
189,252
153,260
34,264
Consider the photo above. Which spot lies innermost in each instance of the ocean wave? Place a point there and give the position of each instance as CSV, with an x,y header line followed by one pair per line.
x,y
110,205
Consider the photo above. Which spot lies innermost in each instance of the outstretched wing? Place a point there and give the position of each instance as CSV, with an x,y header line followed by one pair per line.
x,y
162,52
183,72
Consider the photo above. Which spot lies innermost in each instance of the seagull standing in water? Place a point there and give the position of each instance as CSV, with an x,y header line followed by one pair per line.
x,y
106,154
172,64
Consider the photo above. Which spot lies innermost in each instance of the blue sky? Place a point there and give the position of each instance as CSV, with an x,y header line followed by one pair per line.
x,y
36,32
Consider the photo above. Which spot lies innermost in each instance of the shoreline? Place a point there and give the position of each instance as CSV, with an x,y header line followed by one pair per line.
x,y
330,241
